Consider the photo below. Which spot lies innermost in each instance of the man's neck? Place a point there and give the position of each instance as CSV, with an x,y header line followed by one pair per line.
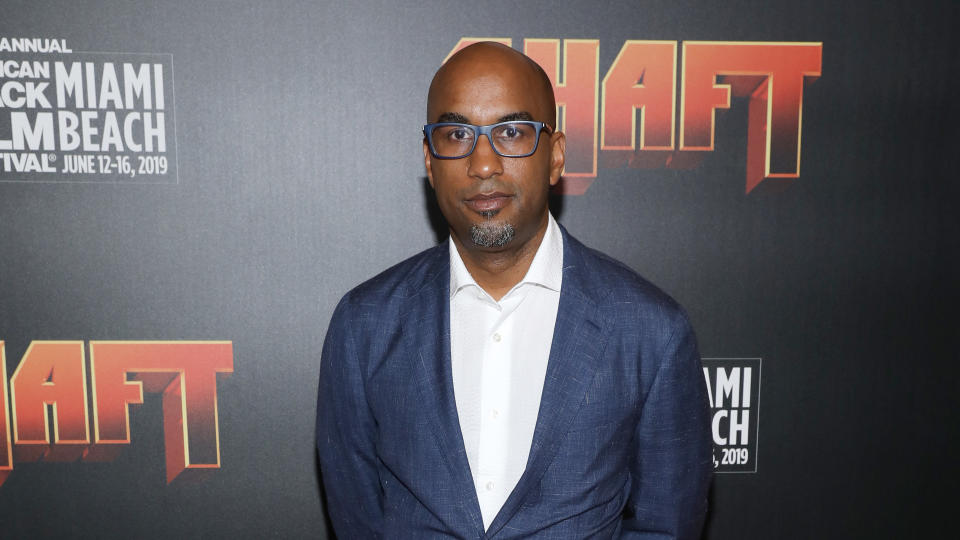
x,y
496,272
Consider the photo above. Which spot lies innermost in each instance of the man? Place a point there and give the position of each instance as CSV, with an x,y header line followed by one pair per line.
x,y
511,382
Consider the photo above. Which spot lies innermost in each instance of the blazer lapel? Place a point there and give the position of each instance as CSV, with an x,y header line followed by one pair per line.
x,y
428,320
578,341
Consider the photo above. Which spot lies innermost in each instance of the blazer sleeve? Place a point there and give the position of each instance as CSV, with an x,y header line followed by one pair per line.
x,y
346,435
673,465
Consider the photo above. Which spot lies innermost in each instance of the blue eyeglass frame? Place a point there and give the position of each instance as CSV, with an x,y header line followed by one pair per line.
x,y
485,130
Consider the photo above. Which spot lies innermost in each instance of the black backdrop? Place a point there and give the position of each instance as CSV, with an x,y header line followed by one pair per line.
x,y
844,283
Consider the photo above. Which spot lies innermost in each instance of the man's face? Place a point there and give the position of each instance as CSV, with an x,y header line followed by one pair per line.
x,y
487,198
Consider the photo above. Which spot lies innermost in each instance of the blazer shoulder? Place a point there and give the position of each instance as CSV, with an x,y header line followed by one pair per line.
x,y
406,279
631,303
611,281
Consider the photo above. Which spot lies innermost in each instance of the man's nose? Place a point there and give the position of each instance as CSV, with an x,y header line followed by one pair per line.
x,y
484,162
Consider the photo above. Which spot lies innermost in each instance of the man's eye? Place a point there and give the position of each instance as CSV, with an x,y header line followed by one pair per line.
x,y
512,132
460,134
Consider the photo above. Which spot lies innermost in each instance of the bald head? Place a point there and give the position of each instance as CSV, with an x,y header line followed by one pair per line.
x,y
496,205
489,67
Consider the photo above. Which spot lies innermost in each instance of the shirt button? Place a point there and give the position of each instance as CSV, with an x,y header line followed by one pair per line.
x,y
489,486
495,413
497,338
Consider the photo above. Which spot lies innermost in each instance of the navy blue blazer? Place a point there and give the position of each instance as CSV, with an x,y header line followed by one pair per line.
x,y
622,445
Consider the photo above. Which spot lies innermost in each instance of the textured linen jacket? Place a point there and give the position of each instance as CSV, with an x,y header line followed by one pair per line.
x,y
621,448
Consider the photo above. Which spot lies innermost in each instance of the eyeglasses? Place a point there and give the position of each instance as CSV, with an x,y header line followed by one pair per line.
x,y
515,139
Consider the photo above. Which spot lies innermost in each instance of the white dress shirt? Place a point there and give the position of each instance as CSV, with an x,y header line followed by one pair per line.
x,y
499,352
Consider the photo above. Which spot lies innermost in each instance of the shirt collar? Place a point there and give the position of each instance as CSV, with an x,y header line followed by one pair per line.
x,y
546,270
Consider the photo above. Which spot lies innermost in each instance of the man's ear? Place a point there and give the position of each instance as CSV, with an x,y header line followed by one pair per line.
x,y
426,162
558,156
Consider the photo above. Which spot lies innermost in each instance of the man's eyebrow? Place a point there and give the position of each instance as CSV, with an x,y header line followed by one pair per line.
x,y
461,119
521,115
453,117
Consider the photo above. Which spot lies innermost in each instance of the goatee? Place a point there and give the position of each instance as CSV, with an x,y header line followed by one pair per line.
x,y
491,234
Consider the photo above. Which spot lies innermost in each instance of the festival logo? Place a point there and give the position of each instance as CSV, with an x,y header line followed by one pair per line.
x,y
733,388
69,116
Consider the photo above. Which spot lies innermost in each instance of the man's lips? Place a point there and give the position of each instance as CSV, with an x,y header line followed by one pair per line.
x,y
488,202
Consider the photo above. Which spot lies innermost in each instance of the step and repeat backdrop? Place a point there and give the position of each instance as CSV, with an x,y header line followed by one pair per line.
x,y
187,189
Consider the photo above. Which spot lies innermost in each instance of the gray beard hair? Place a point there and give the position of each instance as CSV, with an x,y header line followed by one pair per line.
x,y
492,234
